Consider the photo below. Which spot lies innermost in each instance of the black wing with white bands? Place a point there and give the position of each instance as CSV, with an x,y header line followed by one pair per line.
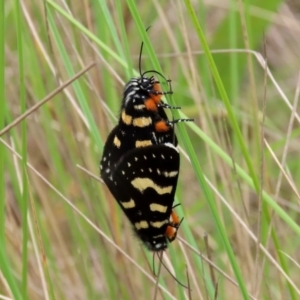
x,y
144,182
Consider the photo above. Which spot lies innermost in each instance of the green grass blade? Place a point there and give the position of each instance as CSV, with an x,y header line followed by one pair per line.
x,y
4,261
89,34
194,160
211,202
24,206
78,90
2,122
223,94
256,27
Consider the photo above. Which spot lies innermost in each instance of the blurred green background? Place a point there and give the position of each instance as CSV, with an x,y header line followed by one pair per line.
x,y
61,231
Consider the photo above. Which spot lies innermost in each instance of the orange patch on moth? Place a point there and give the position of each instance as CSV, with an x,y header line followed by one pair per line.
x,y
156,97
170,233
174,218
161,126
150,104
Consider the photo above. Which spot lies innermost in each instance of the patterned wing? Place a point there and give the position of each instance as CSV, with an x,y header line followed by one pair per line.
x,y
144,183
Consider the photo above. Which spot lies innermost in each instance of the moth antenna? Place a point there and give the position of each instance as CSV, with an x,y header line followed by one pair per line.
x,y
157,280
158,73
161,261
188,282
140,57
153,264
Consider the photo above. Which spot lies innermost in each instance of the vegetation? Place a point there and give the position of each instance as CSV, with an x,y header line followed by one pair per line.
x,y
62,235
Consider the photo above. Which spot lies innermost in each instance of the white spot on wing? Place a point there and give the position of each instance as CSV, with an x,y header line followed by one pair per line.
x,y
141,224
117,142
144,143
139,107
127,119
142,122
142,184
128,204
170,174
158,207
159,224
171,146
